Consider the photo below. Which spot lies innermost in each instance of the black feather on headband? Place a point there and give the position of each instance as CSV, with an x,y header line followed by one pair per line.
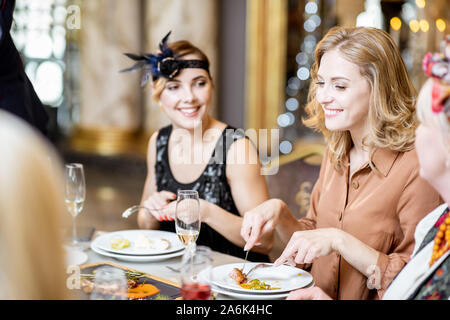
x,y
162,64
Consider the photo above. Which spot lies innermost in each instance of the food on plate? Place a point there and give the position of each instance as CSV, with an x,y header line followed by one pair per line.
x,y
119,243
256,284
142,291
143,242
238,276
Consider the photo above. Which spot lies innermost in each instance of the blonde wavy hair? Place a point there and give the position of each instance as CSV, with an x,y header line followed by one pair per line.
x,y
180,49
32,212
391,118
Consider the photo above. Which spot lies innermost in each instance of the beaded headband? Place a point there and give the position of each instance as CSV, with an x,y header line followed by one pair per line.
x,y
437,66
162,64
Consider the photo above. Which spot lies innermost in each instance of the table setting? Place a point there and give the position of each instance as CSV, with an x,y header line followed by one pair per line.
x,y
150,264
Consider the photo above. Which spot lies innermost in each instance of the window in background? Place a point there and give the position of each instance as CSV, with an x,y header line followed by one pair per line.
x,y
40,34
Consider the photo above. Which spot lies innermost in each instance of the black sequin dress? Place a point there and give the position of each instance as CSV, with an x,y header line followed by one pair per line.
x,y
212,186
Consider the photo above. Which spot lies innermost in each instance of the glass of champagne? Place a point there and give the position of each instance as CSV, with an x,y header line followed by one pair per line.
x,y
187,217
75,194
196,268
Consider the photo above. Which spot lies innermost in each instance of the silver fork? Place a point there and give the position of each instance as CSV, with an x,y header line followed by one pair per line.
x,y
245,261
128,212
263,265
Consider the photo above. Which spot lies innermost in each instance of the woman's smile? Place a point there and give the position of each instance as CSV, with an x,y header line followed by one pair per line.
x,y
189,112
331,112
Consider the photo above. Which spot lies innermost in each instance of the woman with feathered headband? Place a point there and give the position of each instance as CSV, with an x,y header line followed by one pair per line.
x,y
427,274
196,152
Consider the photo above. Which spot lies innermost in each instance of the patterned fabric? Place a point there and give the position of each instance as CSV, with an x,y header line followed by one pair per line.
x,y
437,286
212,186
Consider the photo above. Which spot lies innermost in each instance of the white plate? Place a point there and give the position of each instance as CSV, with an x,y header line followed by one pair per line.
x,y
249,296
104,242
134,258
252,295
75,257
284,277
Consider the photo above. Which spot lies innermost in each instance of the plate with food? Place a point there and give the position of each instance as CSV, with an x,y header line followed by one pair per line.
x,y
136,258
265,280
139,242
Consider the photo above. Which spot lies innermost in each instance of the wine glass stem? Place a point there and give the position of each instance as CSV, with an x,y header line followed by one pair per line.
x,y
74,231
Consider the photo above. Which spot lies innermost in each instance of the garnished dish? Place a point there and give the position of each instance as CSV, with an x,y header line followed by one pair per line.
x,y
141,242
255,284
238,276
135,291
257,280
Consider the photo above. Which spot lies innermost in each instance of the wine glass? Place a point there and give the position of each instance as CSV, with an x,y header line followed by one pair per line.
x,y
109,284
187,217
75,194
196,267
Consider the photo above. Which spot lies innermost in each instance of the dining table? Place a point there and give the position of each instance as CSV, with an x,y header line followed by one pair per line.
x,y
166,271
163,269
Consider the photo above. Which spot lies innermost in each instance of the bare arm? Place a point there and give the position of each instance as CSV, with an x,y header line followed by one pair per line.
x,y
273,215
146,221
248,188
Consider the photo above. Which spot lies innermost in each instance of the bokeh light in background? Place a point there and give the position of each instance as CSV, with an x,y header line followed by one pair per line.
x,y
396,23
441,25
420,3
414,25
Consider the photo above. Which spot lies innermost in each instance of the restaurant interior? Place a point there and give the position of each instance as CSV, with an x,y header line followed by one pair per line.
x,y
261,52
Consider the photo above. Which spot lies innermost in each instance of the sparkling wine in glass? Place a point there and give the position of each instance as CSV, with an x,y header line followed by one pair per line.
x,y
196,266
75,194
187,217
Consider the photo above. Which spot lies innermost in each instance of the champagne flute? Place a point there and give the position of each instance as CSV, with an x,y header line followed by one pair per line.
x,y
75,194
196,268
187,217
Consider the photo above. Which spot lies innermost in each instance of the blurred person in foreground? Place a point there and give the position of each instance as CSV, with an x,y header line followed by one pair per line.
x,y
17,94
427,275
359,231
32,264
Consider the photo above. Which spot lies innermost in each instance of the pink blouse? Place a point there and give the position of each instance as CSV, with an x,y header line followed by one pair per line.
x,y
381,209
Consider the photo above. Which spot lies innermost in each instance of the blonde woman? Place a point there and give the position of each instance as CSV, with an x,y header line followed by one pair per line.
x,y
427,274
369,196
31,212
197,152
